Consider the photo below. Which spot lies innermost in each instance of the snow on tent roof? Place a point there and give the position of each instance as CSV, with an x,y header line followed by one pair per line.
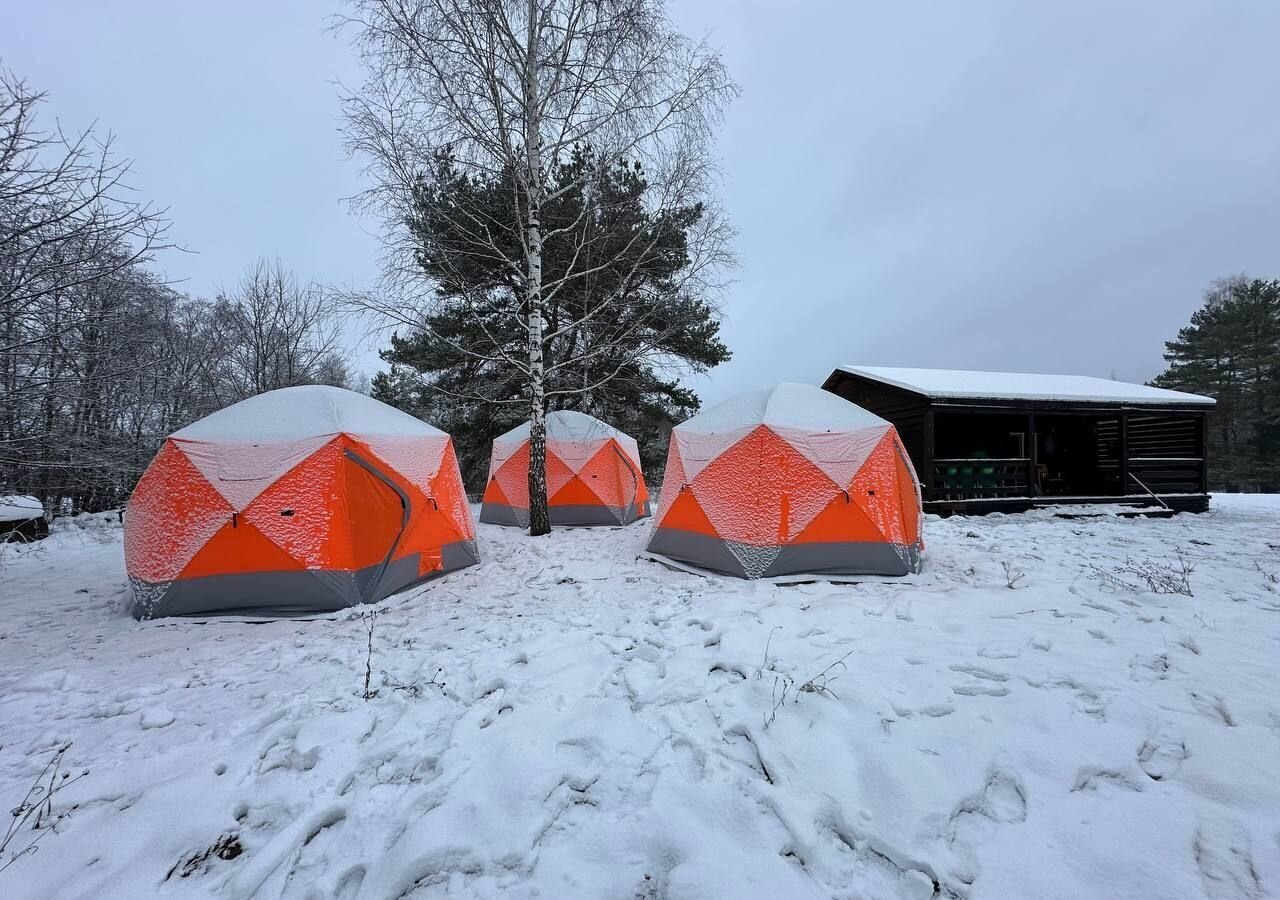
x,y
20,508
959,383
564,425
789,405
301,412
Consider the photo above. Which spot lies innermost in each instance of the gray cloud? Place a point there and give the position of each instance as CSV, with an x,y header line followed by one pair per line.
x,y
988,185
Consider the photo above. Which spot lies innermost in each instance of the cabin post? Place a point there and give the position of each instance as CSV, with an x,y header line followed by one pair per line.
x,y
1204,455
1124,453
927,478
1033,457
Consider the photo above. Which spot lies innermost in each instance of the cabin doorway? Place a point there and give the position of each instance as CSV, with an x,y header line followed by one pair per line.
x,y
1077,456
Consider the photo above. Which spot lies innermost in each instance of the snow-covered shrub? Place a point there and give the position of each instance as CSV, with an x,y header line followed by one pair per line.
x,y
1158,577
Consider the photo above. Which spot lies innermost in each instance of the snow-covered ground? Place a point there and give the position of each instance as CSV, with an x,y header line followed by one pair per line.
x,y
608,728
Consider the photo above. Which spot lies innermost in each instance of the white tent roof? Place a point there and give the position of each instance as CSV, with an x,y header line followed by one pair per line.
x,y
958,383
787,405
565,425
301,412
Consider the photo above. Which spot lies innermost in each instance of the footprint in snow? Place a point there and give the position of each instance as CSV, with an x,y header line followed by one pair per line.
x,y
980,690
933,710
1224,855
1213,706
1093,779
156,717
691,759
1149,668
1000,650
1002,801
979,672
1161,756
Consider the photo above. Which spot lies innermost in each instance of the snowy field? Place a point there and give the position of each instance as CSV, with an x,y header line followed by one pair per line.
x,y
607,728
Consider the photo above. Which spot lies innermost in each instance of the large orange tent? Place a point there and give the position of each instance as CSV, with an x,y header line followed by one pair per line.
x,y
298,500
787,481
593,474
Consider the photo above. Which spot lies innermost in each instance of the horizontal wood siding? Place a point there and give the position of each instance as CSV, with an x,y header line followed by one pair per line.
x,y
1166,452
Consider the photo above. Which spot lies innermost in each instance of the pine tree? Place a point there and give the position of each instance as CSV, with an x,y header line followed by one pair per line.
x,y
1231,352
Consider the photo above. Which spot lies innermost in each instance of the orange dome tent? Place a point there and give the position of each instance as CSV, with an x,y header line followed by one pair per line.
x,y
787,481
593,474
299,500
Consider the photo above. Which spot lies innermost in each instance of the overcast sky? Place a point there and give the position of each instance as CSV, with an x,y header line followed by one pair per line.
x,y
1004,185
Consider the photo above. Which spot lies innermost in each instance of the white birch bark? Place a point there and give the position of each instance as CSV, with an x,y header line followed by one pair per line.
x,y
539,517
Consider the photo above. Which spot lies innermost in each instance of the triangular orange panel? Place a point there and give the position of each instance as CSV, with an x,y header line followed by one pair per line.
x,y
239,548
686,515
493,493
743,490
842,520
559,473
672,481
451,496
875,489
908,499
513,475
610,477
576,492
175,511
305,512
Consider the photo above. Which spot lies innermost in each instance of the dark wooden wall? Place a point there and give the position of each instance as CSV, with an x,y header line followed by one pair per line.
x,y
906,411
1166,451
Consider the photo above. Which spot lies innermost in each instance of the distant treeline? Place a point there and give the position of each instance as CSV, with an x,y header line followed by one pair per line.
x,y
99,358
1231,352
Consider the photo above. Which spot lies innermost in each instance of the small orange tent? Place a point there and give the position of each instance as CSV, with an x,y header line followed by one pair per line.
x,y
299,500
593,474
787,481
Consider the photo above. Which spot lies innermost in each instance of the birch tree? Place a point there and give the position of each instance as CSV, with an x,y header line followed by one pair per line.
x,y
506,92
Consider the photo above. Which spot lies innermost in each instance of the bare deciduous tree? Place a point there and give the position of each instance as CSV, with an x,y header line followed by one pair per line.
x,y
99,358
67,214
281,332
508,91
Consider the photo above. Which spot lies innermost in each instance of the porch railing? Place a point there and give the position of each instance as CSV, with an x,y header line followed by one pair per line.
x,y
964,478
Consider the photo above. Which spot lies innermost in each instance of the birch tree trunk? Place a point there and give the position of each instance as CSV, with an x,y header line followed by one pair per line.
x,y
539,516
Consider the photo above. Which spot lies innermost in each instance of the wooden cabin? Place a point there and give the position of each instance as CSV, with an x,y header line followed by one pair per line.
x,y
1007,442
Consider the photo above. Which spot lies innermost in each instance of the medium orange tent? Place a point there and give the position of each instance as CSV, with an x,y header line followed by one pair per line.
x,y
787,481
299,500
593,474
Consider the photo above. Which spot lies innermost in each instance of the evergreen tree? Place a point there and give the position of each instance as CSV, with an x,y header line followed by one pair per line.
x,y
617,363
1231,352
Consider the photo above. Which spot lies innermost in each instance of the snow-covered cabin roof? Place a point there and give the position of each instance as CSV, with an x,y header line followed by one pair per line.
x,y
565,425
20,508
301,412
964,384
788,405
